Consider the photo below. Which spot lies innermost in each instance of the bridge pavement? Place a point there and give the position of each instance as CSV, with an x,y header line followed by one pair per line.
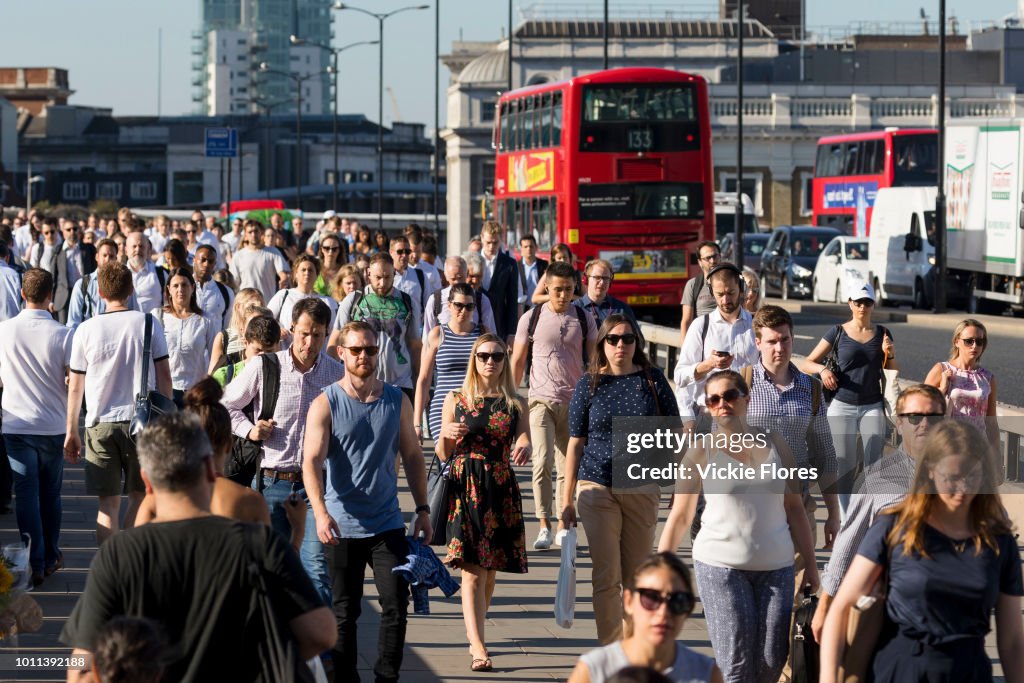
x,y
524,640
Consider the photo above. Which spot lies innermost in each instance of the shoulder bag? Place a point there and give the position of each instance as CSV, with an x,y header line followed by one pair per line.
x,y
863,626
149,405
831,363
438,493
246,454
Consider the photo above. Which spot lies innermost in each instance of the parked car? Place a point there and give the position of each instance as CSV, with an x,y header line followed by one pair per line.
x,y
843,259
787,265
753,246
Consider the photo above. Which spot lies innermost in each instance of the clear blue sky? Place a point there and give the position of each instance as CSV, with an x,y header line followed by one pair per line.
x,y
110,46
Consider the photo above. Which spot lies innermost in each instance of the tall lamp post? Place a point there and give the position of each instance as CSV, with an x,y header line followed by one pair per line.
x,y
741,24
299,80
335,51
380,17
940,196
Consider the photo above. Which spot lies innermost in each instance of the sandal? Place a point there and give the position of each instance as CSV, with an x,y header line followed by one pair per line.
x,y
481,664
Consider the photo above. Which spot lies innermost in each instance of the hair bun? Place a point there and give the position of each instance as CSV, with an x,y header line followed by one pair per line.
x,y
205,392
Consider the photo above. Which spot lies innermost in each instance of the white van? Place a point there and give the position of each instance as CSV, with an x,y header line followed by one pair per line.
x,y
901,248
725,215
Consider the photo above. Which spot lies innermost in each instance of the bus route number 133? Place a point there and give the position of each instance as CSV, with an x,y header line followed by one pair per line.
x,y
640,139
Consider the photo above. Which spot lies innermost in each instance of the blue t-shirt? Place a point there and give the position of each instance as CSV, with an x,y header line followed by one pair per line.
x,y
591,415
861,367
362,485
949,596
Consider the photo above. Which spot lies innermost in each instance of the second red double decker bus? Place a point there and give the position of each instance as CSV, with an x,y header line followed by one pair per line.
x,y
616,164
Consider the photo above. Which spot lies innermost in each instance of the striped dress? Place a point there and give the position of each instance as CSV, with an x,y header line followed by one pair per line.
x,y
450,366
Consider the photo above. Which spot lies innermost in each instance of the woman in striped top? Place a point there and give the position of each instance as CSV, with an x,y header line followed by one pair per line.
x,y
447,353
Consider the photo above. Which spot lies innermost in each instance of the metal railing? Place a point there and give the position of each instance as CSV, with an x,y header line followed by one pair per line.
x,y
663,350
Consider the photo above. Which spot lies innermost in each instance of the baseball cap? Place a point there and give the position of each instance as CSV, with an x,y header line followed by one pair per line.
x,y
859,290
329,213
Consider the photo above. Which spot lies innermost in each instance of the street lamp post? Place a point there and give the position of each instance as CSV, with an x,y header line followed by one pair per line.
x,y
380,17
299,80
296,40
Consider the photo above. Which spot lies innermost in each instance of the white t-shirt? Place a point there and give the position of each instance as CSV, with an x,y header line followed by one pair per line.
x,y
107,349
189,344
284,301
35,349
256,268
148,290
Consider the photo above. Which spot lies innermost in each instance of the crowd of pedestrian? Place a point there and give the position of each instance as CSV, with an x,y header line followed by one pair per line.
x,y
308,367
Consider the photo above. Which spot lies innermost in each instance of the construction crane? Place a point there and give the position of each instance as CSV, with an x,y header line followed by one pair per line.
x,y
394,104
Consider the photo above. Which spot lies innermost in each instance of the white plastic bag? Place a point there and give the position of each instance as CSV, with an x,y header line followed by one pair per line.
x,y
565,593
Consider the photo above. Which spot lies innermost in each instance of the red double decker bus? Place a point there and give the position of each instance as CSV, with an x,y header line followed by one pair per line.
x,y
616,164
849,170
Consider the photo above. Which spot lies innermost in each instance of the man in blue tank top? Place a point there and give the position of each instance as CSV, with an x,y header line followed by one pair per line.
x,y
356,427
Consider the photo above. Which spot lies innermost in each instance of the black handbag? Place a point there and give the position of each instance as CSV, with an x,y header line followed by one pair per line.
x,y
149,405
805,650
831,363
246,454
438,492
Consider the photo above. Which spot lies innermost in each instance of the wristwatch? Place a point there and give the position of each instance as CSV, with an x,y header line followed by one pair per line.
x,y
422,508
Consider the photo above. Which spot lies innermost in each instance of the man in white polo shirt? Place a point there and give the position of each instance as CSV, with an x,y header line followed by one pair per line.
x,y
147,279
35,351
106,362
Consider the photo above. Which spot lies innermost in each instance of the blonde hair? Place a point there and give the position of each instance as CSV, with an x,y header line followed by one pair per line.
x,y
960,327
492,228
245,296
596,262
471,385
347,270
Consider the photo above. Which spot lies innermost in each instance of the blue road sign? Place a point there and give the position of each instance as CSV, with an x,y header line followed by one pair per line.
x,y
221,142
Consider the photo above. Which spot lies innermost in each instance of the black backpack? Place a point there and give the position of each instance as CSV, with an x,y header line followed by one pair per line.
x,y
246,454
581,315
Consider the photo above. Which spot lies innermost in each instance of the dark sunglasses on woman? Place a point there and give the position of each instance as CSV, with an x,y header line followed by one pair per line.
x,y
459,306
729,396
679,603
614,339
497,356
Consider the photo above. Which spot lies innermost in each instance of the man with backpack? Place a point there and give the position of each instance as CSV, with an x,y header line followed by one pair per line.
x,y
437,313
214,298
553,342
268,402
408,279
697,298
396,319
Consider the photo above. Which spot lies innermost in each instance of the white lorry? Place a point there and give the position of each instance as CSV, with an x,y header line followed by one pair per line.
x,y
984,219
901,247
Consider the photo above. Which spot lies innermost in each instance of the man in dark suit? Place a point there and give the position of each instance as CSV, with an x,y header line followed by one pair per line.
x,y
531,268
501,281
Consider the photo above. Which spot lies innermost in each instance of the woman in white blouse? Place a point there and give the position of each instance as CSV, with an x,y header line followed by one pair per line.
x,y
190,336
305,270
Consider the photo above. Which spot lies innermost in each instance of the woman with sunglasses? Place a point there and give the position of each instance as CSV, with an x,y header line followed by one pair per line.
x,y
863,349
948,558
657,600
333,253
485,428
970,389
446,356
743,553
190,336
620,523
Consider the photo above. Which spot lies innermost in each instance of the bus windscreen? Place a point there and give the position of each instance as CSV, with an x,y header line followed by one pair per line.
x,y
639,118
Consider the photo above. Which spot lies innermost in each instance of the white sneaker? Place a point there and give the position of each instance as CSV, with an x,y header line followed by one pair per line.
x,y
559,536
543,541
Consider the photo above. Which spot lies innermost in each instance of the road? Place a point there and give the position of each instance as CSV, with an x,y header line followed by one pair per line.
x,y
921,342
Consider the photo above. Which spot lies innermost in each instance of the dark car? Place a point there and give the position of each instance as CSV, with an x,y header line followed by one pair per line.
x,y
753,246
787,265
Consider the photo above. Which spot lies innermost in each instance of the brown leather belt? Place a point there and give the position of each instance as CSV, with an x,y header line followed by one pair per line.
x,y
282,476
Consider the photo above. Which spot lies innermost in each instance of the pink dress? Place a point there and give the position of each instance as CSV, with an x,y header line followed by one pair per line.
x,y
968,394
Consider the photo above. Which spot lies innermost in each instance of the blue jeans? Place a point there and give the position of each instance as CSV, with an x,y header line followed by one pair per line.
x,y
37,463
275,492
847,421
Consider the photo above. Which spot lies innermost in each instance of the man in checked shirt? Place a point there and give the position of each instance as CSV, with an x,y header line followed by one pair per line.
x,y
882,485
786,401
305,372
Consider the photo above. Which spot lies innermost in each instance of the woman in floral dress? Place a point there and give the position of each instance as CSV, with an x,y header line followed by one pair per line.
x,y
484,429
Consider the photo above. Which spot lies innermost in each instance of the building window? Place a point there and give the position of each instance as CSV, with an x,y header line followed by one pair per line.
x,y
143,190
241,41
806,193
108,190
487,111
75,191
365,177
241,58
187,187
752,186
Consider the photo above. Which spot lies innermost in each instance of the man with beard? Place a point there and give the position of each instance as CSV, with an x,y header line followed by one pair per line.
x,y
147,279
356,427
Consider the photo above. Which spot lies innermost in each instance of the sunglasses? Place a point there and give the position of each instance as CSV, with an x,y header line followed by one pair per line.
x,y
729,396
629,338
403,252
864,302
330,250
915,418
971,341
459,306
679,603
358,350
497,356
